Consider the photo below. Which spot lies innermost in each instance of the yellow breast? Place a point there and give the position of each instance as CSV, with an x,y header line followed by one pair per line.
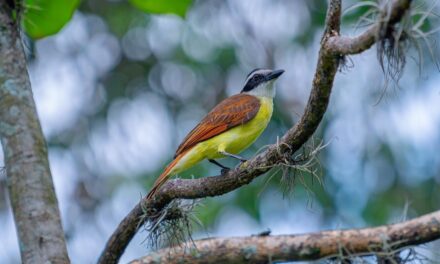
x,y
241,137
233,141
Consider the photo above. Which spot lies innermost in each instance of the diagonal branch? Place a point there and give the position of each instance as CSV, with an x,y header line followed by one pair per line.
x,y
327,66
380,241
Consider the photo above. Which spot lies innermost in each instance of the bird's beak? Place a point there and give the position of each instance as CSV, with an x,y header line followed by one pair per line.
x,y
274,74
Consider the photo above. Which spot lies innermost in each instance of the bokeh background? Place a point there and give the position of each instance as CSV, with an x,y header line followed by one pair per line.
x,y
118,89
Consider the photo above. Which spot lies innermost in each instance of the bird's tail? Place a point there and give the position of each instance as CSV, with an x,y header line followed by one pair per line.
x,y
163,177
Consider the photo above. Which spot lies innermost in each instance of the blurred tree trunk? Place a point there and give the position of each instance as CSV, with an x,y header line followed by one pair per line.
x,y
30,186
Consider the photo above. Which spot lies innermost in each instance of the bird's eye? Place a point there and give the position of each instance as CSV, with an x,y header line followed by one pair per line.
x,y
253,82
258,78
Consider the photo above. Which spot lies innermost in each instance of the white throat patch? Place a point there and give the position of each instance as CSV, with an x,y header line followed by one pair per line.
x,y
265,89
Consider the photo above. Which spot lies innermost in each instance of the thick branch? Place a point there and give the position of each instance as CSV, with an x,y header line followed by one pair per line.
x,y
354,45
30,186
264,249
328,63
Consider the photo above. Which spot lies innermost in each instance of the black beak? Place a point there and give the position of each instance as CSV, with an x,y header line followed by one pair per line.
x,y
274,74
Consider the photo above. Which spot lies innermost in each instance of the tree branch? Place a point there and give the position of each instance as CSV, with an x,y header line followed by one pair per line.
x,y
30,186
328,63
383,240
353,45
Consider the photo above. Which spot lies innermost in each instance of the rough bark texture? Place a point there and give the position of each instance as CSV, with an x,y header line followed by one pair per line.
x,y
383,240
31,192
333,47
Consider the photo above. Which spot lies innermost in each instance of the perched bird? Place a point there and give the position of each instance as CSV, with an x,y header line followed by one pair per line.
x,y
232,126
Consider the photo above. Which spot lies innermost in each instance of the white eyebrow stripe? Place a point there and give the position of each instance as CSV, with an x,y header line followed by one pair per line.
x,y
259,71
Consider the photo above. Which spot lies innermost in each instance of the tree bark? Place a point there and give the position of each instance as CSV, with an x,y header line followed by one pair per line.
x,y
30,186
382,241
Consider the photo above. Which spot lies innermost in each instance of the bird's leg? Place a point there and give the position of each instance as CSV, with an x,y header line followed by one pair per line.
x,y
224,168
218,164
233,156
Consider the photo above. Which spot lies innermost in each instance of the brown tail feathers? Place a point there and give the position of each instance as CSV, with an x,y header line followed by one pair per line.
x,y
163,177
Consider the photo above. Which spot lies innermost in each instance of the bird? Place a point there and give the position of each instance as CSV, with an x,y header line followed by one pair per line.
x,y
229,128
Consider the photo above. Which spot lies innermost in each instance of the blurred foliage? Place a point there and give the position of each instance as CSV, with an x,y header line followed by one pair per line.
x,y
43,18
177,7
46,17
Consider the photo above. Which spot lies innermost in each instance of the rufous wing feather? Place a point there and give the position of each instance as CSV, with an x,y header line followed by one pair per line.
x,y
164,176
233,111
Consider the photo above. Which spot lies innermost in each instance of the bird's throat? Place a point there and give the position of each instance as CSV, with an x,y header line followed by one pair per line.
x,y
264,90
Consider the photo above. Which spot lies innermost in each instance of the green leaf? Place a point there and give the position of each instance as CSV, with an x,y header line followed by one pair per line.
x,y
42,18
178,7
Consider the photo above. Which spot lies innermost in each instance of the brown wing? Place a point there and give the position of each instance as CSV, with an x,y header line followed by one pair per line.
x,y
233,111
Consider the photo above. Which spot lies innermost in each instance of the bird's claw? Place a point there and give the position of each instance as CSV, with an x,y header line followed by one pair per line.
x,y
223,171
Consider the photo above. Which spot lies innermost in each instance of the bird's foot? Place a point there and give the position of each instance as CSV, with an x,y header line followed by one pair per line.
x,y
225,170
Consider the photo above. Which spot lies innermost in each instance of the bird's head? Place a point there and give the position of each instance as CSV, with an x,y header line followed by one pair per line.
x,y
260,82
